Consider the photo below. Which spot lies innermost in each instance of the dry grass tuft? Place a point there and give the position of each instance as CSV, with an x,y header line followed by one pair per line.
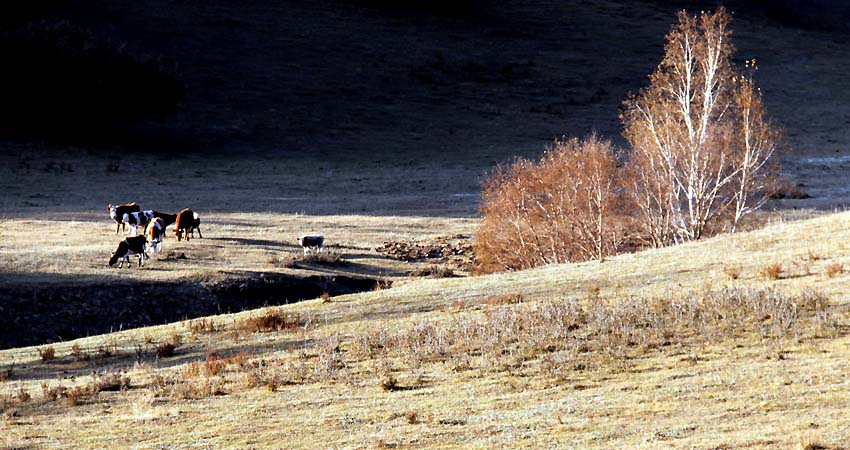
x,y
733,272
834,270
433,271
389,383
202,326
412,418
504,299
771,271
270,321
46,353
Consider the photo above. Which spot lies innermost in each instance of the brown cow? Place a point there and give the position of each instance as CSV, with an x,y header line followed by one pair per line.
x,y
117,214
187,222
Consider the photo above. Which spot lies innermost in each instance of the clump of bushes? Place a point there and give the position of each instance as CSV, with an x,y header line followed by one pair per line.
x,y
701,160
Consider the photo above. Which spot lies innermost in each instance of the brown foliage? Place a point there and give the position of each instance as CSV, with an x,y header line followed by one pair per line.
x,y
271,321
556,210
772,271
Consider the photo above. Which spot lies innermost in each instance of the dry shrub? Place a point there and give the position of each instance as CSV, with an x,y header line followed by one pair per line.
x,y
202,326
412,418
323,258
504,299
165,349
191,387
329,362
559,209
23,395
565,335
75,395
274,373
433,271
46,353
834,270
5,374
325,297
733,272
380,285
389,383
772,271
270,321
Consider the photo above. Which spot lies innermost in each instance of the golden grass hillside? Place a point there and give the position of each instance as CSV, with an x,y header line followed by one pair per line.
x,y
556,357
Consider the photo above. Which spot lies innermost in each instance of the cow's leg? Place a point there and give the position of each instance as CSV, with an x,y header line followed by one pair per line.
x,y
199,233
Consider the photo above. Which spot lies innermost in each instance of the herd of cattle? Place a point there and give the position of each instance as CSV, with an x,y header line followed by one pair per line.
x,y
153,223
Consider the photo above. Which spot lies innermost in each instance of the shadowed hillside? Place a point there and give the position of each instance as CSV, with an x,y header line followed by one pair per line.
x,y
434,77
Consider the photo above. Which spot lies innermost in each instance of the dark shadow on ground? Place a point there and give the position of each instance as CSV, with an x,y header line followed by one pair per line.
x,y
38,314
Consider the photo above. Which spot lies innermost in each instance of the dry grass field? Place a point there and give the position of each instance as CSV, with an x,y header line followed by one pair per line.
x,y
415,366
290,126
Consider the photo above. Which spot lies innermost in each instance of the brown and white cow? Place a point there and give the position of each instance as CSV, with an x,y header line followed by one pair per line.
x,y
187,222
155,233
117,213
134,245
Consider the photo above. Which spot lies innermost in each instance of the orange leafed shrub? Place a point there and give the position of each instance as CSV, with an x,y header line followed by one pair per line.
x,y
555,210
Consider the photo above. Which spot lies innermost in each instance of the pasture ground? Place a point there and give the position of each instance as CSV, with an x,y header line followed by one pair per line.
x,y
400,157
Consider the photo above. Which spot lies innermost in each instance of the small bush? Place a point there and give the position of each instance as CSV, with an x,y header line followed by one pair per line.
x,y
772,271
165,349
46,353
733,272
504,299
834,270
202,326
271,321
433,271
389,383
412,418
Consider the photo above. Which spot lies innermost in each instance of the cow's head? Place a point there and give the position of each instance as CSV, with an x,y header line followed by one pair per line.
x,y
113,259
113,212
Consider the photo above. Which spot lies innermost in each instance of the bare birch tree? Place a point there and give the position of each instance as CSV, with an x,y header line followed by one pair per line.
x,y
688,150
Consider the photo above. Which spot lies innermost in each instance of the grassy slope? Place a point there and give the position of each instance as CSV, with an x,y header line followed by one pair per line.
x,y
706,397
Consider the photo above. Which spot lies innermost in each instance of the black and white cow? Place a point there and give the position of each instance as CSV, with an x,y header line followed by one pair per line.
x,y
138,219
312,241
134,245
155,232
